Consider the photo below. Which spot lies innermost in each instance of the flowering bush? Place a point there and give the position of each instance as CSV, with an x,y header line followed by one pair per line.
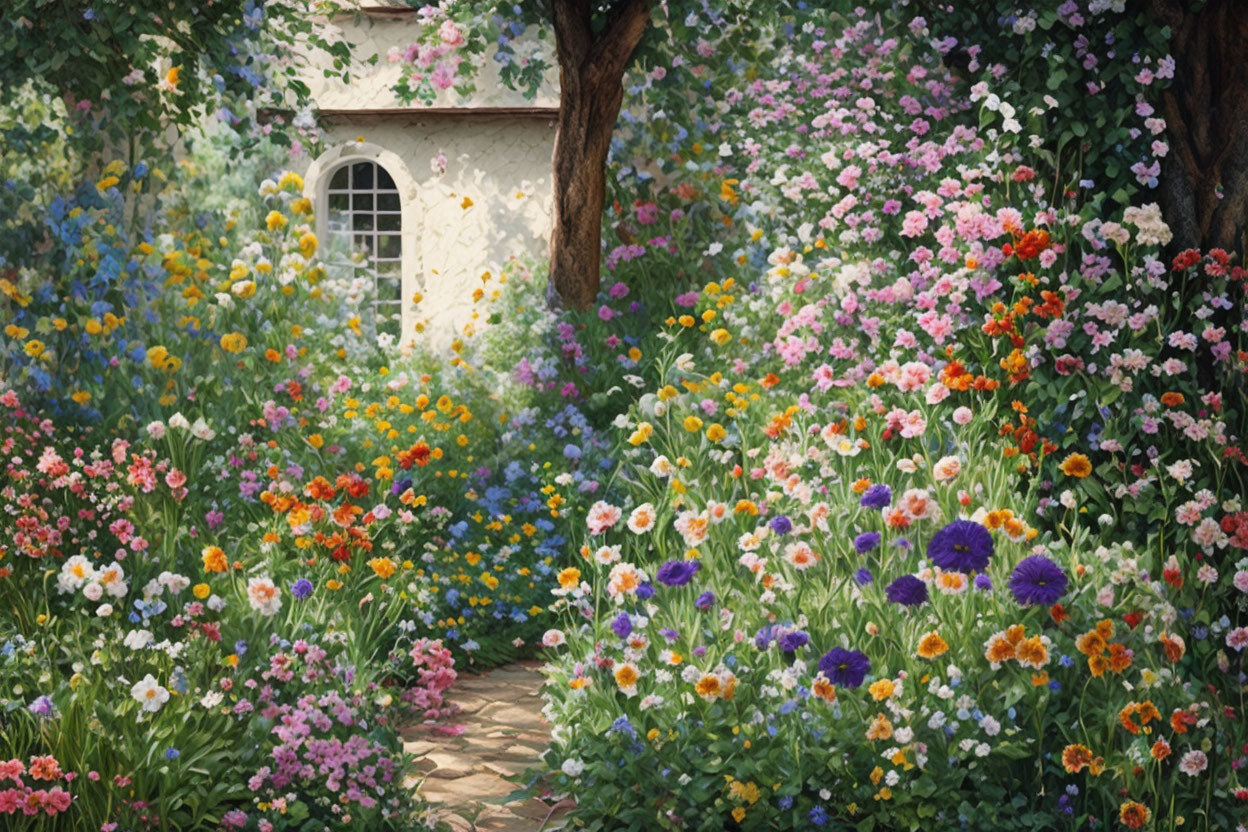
x,y
894,479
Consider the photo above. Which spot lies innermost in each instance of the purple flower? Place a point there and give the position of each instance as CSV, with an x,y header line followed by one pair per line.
x,y
907,590
846,668
645,592
677,572
622,626
781,524
42,707
301,588
877,496
866,541
983,582
1038,580
705,601
863,577
961,546
791,641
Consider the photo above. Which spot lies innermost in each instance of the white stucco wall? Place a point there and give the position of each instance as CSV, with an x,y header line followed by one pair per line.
x,y
500,162
372,83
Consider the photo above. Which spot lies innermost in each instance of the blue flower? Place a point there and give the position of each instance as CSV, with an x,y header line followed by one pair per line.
x,y
301,588
866,541
1038,581
961,546
622,626
846,668
677,572
907,590
877,496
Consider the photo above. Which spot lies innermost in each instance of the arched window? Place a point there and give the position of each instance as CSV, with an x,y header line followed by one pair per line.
x,y
365,215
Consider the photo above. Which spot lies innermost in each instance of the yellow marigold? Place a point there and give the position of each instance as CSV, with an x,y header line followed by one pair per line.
x,y
932,645
642,434
383,567
275,220
693,424
882,689
1076,465
716,432
233,342
201,591
214,559
569,577
721,336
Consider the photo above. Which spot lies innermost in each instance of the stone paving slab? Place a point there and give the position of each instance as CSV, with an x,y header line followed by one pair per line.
x,y
499,732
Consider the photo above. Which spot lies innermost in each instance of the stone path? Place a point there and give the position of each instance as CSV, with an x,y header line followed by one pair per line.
x,y
500,734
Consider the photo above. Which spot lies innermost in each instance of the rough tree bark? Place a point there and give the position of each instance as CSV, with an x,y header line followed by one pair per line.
x,y
591,73
1206,113
1203,190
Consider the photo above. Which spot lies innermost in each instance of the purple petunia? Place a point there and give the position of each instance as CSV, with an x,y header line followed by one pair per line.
x,y
793,640
1038,581
622,626
961,546
866,541
846,668
863,577
907,590
877,496
677,572
301,588
983,582
705,601
781,524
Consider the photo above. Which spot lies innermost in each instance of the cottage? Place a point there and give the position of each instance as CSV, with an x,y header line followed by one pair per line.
x,y
434,197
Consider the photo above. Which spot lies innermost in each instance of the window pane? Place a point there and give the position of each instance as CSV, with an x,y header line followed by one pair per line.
x,y
362,202
339,182
388,201
388,222
389,245
339,202
389,290
362,222
384,182
362,176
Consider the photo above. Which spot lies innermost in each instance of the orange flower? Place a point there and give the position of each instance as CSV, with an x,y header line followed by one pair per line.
x,y
1160,750
1174,646
1098,665
1076,465
1090,644
1075,758
1033,651
932,645
823,688
1172,399
1058,613
214,559
998,649
1133,815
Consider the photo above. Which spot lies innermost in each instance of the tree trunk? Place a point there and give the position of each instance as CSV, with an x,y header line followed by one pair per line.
x,y
591,82
1206,113
1203,190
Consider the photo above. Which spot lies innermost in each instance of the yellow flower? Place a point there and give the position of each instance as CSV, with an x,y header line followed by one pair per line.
x,y
106,183
201,591
1076,465
882,689
642,434
932,645
275,220
716,432
383,567
721,336
569,577
81,397
693,424
308,244
214,559
290,180
34,348
233,342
